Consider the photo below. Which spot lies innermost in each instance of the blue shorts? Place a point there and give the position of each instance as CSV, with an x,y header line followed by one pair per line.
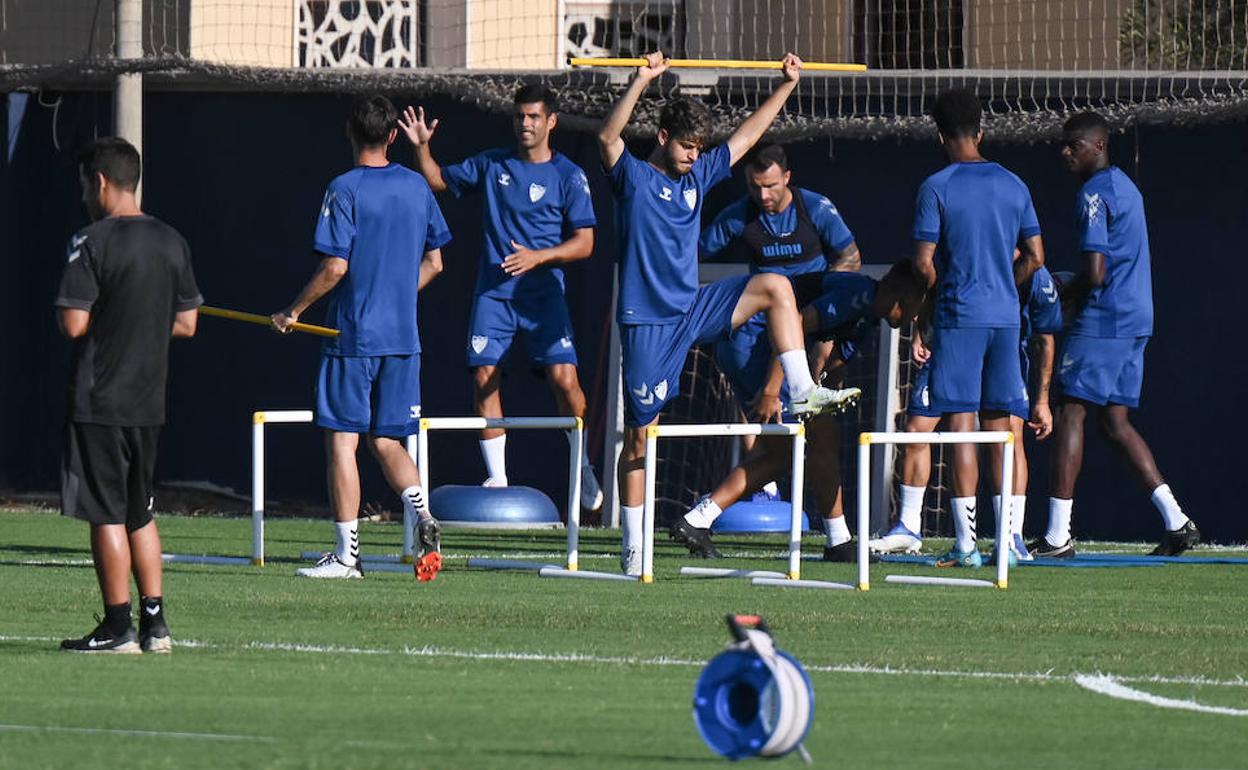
x,y
920,403
745,358
654,354
542,317
976,370
369,394
1103,370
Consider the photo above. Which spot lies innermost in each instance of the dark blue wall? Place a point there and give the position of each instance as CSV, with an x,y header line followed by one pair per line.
x,y
241,175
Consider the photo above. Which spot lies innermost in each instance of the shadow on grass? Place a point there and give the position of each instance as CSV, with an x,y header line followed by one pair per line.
x,y
642,760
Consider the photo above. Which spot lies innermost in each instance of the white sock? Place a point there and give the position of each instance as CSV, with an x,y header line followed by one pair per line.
x,y
837,530
964,523
1059,521
414,503
494,451
772,488
796,373
631,518
348,549
1169,508
912,507
1018,511
704,514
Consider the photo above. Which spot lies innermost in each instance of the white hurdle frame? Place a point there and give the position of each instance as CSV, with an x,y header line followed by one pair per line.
x,y
869,438
655,432
418,449
575,428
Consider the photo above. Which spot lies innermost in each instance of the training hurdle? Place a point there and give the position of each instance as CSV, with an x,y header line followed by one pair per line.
x,y
655,432
868,439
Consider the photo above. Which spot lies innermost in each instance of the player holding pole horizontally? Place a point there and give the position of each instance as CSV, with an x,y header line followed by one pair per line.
x,y
1102,364
538,215
661,310
379,233
127,288
969,218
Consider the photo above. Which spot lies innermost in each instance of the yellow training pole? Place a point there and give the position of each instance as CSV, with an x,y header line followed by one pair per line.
x,y
263,320
727,64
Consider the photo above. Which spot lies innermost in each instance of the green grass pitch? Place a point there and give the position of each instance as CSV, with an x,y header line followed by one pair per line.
x,y
486,669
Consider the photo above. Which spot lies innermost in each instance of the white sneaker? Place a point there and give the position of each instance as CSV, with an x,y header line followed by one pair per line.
x,y
820,400
591,492
330,566
898,540
495,481
630,561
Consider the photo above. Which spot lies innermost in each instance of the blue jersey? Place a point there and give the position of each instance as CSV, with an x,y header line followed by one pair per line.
x,y
834,234
844,307
658,219
1111,221
1042,312
381,220
975,213
537,205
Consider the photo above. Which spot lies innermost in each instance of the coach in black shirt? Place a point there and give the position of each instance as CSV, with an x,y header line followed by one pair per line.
x,y
127,286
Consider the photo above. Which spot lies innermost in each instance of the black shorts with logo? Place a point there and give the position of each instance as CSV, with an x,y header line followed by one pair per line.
x,y
106,473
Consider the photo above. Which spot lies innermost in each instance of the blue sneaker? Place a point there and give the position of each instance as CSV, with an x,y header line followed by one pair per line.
x,y
1013,557
898,539
956,558
1020,549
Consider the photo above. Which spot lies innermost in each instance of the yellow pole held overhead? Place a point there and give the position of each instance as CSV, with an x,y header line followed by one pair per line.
x,y
263,320
726,64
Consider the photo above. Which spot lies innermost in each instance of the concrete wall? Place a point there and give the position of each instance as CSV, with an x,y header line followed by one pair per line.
x,y
1054,35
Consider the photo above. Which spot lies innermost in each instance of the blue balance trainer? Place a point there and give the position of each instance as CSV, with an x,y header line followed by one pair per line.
x,y
754,699
758,516
501,507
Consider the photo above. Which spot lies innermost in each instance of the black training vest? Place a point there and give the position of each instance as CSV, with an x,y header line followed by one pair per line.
x,y
763,249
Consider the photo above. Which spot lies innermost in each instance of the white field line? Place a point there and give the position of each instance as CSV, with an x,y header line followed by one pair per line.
x,y
430,651
131,733
1106,685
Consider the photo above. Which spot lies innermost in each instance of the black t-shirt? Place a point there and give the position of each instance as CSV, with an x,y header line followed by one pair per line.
x,y
132,274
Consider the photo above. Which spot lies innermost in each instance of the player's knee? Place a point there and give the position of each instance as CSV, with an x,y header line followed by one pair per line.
x,y
1115,427
563,377
777,289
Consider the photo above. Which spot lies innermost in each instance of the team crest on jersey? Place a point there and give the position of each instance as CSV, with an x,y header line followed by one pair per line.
x,y
75,246
924,398
691,198
504,179
478,343
666,194
565,342
536,191
1093,202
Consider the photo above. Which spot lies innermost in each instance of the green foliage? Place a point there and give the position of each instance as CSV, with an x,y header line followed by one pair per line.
x,y
1189,35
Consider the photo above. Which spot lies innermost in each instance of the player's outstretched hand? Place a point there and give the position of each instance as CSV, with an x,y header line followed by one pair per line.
x,y
521,261
656,64
282,321
791,65
766,407
1041,421
412,121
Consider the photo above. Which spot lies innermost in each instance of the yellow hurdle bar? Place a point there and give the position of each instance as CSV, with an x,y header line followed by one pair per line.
x,y
726,64
263,320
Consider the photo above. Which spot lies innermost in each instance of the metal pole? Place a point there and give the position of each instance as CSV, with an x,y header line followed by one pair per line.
x,y
128,94
647,512
799,487
257,489
1004,527
576,440
864,509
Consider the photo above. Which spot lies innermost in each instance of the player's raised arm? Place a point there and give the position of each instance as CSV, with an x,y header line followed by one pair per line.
x,y
610,134
419,133
753,127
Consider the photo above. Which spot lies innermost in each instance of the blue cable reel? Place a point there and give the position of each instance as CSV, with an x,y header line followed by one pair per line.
x,y
753,699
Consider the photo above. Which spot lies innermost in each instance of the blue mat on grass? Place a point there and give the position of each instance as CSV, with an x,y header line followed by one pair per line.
x,y
1121,558
930,561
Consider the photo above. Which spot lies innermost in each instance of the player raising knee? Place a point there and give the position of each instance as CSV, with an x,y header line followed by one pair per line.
x,y
1040,319
848,306
1102,365
537,215
375,223
970,217
661,310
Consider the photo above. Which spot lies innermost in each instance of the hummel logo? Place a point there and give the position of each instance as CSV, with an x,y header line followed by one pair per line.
x,y
153,611
644,395
565,342
329,199
1067,362
1049,292
413,412
1093,202
504,179
666,195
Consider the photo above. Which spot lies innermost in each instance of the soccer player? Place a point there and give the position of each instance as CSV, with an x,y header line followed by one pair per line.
x,y
848,306
969,218
379,236
661,310
1040,319
127,288
537,216
1102,364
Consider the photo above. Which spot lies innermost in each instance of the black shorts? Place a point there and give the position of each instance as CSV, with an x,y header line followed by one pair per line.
x,y
106,473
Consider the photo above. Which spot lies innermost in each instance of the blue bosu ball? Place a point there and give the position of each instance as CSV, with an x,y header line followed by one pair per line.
x,y
502,507
762,516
